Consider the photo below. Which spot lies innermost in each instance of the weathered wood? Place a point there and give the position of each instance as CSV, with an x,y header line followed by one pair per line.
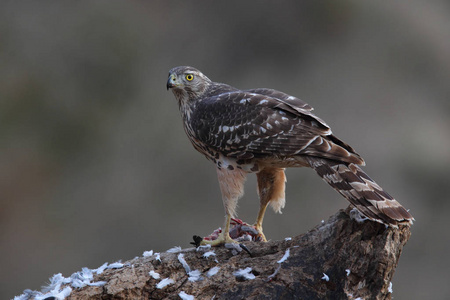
x,y
358,258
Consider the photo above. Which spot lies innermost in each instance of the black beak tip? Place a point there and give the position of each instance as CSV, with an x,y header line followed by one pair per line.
x,y
169,85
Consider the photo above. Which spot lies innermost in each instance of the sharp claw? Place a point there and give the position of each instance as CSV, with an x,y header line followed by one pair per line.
x,y
260,236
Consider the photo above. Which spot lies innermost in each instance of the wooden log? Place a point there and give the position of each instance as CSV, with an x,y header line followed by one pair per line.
x,y
338,259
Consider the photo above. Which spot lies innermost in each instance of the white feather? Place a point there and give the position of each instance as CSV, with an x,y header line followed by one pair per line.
x,y
165,282
213,271
194,275
154,274
185,296
245,273
285,256
174,250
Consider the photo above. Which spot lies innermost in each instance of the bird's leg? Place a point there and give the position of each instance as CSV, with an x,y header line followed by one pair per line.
x,y
259,220
271,186
232,187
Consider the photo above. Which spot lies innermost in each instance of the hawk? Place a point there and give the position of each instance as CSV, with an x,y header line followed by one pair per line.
x,y
264,131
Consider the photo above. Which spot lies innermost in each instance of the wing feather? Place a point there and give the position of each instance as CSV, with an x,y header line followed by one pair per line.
x,y
248,124
283,97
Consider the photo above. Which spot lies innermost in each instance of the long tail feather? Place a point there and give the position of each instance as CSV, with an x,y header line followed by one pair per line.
x,y
366,195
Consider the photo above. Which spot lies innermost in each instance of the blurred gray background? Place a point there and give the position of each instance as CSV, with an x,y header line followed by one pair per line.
x,y
94,163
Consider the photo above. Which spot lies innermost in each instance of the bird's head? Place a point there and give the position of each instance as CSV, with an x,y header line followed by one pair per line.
x,y
187,82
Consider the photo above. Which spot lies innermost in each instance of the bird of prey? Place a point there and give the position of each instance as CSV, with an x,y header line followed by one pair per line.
x,y
264,131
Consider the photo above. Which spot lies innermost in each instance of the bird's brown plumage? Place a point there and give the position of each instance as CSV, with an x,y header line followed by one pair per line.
x,y
264,131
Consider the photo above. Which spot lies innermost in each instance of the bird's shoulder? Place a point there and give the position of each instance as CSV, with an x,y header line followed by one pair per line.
x,y
220,93
283,97
224,101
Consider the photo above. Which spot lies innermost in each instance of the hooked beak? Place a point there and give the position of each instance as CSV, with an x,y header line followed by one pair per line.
x,y
171,82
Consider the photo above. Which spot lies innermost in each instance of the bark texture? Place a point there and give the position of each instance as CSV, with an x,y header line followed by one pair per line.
x,y
359,260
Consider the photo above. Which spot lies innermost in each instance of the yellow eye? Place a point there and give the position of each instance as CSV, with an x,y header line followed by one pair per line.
x,y
189,77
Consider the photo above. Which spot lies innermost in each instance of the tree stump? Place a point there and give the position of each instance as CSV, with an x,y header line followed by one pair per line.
x,y
338,259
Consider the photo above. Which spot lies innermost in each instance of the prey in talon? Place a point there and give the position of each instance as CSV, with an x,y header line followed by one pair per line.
x,y
239,232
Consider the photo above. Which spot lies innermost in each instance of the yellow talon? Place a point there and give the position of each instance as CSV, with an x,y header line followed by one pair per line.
x,y
261,233
224,236
222,239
